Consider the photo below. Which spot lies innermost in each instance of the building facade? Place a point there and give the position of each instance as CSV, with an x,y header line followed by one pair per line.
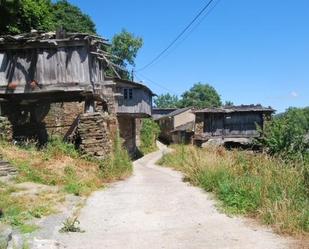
x,y
55,84
230,124
176,125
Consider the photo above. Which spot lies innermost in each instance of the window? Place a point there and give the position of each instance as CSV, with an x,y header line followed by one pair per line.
x,y
128,93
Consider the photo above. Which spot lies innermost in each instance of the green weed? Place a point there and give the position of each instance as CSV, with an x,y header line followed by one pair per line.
x,y
71,225
118,165
252,184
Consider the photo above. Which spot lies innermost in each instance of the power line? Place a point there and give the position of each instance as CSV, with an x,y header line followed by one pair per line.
x,y
177,37
155,83
192,30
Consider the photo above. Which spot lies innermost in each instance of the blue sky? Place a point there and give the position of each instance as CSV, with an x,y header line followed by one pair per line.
x,y
251,51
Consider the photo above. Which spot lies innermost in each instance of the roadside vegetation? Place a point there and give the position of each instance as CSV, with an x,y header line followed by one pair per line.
x,y
149,134
272,186
287,135
118,165
60,168
255,185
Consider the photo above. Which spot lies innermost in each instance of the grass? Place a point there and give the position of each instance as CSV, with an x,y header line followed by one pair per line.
x,y
254,185
118,165
18,210
57,164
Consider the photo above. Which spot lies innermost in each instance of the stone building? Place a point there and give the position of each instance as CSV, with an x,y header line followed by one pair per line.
x,y
134,103
230,124
177,126
55,83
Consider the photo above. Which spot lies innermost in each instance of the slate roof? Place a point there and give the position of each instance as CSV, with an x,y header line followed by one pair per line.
x,y
157,113
133,83
176,112
185,127
240,108
49,37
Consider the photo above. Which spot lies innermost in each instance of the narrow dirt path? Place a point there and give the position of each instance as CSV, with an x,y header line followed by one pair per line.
x,y
155,209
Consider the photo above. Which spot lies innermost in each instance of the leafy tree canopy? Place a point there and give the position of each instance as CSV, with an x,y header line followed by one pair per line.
x,y
124,48
166,101
20,16
228,103
71,18
201,96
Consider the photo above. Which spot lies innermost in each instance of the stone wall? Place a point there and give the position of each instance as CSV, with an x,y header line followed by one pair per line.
x,y
95,133
127,132
61,116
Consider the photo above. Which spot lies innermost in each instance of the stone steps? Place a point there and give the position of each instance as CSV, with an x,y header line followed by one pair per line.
x,y
6,169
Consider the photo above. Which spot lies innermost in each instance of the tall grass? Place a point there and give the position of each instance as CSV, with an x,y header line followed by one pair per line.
x,y
252,184
118,165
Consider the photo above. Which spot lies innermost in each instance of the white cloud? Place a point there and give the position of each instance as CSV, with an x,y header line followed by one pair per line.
x,y
294,94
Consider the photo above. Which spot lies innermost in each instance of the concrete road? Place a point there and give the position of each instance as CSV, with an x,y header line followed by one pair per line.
x,y
155,209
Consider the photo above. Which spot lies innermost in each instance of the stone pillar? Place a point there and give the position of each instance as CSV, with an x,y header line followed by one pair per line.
x,y
94,134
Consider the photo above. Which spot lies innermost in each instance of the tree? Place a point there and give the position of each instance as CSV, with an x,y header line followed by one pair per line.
x,y
166,101
201,96
71,18
228,103
124,48
18,16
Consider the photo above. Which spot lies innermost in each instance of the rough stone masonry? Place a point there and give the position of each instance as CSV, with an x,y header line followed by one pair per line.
x,y
95,133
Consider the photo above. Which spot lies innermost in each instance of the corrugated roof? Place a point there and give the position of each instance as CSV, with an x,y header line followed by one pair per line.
x,y
240,108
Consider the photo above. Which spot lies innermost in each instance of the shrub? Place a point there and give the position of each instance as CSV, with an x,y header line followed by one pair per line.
x,y
286,135
149,133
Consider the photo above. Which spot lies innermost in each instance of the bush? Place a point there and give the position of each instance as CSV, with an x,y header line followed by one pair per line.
x,y
286,135
256,185
149,134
